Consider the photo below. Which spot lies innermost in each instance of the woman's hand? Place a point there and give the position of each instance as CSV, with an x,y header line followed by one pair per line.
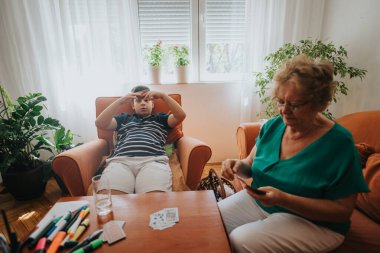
x,y
272,196
230,167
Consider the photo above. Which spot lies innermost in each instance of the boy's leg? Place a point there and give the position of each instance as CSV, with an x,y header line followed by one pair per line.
x,y
120,175
154,175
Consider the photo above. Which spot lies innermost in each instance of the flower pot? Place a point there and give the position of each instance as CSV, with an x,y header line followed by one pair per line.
x,y
182,74
155,73
24,185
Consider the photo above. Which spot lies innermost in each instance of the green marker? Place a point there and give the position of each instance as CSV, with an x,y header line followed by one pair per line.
x,y
90,247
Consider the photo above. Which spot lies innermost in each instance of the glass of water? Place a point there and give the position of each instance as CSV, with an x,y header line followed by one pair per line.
x,y
102,194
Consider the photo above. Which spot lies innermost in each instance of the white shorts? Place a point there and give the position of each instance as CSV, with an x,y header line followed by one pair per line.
x,y
251,229
139,174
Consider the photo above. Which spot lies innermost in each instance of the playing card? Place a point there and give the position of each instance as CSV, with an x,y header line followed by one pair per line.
x,y
164,218
171,214
113,231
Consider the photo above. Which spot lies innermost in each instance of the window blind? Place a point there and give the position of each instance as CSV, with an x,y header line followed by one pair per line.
x,y
168,21
225,21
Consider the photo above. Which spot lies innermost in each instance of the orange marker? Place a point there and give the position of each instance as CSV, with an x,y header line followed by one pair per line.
x,y
54,246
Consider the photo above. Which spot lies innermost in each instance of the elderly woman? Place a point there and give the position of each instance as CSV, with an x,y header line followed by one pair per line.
x,y
306,165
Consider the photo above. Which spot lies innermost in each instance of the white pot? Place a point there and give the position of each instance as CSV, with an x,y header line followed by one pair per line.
x,y
182,74
155,73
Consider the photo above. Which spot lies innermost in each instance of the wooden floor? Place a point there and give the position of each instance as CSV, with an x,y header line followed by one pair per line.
x,y
23,216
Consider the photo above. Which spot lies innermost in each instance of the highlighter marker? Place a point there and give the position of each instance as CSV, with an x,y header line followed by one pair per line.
x,y
42,233
87,240
41,227
90,247
59,227
41,246
76,223
54,246
82,227
74,217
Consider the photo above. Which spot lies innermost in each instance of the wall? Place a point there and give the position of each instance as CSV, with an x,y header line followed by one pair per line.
x,y
356,26
213,114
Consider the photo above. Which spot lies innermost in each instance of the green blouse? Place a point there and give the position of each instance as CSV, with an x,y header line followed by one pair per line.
x,y
328,168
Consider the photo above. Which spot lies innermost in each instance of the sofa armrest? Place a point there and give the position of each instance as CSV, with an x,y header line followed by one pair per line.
x,y
246,137
77,165
193,155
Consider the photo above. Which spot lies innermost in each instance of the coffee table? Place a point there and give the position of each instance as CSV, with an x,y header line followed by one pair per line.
x,y
200,227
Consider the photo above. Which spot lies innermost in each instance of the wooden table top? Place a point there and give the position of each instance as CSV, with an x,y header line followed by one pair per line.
x,y
200,227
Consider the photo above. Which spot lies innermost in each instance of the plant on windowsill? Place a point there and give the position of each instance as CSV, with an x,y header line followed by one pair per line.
x,y
314,49
154,56
181,57
24,132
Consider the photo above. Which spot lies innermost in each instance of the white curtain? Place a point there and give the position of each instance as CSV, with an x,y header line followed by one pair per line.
x,y
272,23
72,51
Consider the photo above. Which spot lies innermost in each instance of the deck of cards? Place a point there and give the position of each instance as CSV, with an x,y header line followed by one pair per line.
x,y
164,218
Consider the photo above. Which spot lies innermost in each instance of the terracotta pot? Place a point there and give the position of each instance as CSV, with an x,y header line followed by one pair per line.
x,y
24,185
182,74
155,74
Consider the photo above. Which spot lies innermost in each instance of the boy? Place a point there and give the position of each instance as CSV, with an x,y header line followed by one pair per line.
x,y
139,163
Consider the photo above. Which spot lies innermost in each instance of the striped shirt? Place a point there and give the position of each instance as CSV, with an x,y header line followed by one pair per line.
x,y
138,136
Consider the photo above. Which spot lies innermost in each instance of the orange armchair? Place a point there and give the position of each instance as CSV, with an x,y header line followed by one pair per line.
x,y
365,228
77,166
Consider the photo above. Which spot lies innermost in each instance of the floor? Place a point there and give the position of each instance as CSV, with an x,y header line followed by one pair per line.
x,y
23,216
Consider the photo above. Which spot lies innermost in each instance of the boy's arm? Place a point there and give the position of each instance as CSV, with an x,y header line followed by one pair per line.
x,y
177,115
105,120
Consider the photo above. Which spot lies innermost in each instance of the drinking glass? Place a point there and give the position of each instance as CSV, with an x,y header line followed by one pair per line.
x,y
102,194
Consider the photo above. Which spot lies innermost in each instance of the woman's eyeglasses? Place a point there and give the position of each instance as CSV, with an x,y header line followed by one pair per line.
x,y
294,107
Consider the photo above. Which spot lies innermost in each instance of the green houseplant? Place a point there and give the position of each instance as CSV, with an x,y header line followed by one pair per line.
x,y
155,53
24,134
314,49
154,56
181,58
181,55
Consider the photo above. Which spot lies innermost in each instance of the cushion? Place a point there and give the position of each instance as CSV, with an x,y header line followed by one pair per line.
x,y
177,178
174,134
369,202
364,151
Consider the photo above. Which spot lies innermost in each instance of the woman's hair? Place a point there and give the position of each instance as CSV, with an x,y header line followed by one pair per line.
x,y
139,88
315,79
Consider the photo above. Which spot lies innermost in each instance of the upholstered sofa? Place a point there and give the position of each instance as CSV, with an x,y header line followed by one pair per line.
x,y
364,235
77,166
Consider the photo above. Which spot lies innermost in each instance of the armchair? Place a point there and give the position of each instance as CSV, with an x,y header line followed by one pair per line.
x,y
77,166
365,220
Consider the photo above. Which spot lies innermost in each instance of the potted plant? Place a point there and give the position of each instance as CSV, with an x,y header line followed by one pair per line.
x,y
24,134
314,49
181,56
155,53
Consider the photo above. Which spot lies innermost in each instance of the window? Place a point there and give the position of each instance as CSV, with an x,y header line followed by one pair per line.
x,y
214,30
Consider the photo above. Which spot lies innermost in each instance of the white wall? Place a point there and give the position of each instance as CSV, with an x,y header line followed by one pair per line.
x,y
213,115
355,24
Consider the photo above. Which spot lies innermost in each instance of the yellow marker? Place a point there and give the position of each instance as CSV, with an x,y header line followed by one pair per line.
x,y
82,227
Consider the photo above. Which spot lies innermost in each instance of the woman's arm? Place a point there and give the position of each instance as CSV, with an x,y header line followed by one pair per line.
x,y
339,210
240,167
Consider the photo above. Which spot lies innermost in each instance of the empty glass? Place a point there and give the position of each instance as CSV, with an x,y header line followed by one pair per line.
x,y
102,194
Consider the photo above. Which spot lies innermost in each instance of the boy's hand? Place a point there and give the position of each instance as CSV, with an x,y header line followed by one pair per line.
x,y
153,95
131,96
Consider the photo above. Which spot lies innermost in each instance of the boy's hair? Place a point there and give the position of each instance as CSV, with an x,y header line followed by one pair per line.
x,y
139,88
